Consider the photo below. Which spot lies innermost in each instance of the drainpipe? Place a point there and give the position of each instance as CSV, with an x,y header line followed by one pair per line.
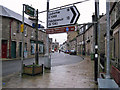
x,y
10,39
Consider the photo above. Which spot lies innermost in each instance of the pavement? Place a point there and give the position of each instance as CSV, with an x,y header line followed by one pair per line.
x,y
77,75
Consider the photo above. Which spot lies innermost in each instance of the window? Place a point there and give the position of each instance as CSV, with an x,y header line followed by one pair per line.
x,y
41,48
32,48
42,36
32,34
25,50
86,27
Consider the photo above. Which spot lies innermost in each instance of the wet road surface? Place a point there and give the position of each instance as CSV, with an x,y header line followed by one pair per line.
x,y
77,75
57,59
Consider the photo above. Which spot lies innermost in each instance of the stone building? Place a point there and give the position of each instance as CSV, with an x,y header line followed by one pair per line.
x,y
115,28
71,40
89,30
80,40
85,39
50,44
64,46
12,37
55,45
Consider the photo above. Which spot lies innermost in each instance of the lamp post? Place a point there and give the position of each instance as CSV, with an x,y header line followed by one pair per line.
x,y
96,39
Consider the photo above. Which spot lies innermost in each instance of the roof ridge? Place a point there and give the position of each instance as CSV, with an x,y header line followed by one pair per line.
x,y
12,14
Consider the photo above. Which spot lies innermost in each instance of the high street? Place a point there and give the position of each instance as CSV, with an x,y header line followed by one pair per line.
x,y
77,75
57,59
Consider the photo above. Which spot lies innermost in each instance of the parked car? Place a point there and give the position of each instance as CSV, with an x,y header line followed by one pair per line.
x,y
67,51
72,52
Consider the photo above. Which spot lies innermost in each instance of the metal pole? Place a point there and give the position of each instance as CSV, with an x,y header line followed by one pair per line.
x,y
108,39
98,25
47,26
96,44
47,48
22,51
36,53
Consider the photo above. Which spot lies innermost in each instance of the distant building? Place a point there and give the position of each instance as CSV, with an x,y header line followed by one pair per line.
x,y
55,45
11,38
71,40
63,46
50,44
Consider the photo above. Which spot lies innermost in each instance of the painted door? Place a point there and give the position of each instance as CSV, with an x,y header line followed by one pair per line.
x,y
20,48
4,49
13,49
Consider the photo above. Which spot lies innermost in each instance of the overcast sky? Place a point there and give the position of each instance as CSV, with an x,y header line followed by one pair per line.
x,y
86,10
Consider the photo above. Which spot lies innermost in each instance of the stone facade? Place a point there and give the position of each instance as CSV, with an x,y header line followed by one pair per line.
x,y
55,45
89,40
80,40
115,28
16,36
71,40
12,37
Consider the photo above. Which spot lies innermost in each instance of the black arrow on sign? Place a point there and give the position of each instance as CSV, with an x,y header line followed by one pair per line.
x,y
74,14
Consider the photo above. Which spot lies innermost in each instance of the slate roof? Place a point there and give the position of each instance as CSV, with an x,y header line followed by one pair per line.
x,y
9,13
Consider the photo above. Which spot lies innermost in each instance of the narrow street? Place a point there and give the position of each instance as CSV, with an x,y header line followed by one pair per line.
x,y
57,59
60,44
61,58
76,75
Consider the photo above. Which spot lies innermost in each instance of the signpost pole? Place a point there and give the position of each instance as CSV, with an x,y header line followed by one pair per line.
x,y
108,39
96,42
36,54
22,51
47,40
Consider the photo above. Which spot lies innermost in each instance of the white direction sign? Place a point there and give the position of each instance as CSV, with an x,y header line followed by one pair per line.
x,y
63,17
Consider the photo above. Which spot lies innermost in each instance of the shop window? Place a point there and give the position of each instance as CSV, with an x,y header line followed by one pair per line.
x,y
41,48
32,48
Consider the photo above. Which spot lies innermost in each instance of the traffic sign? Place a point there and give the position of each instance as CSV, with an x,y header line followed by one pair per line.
x,y
29,10
34,25
67,29
60,30
63,17
22,26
